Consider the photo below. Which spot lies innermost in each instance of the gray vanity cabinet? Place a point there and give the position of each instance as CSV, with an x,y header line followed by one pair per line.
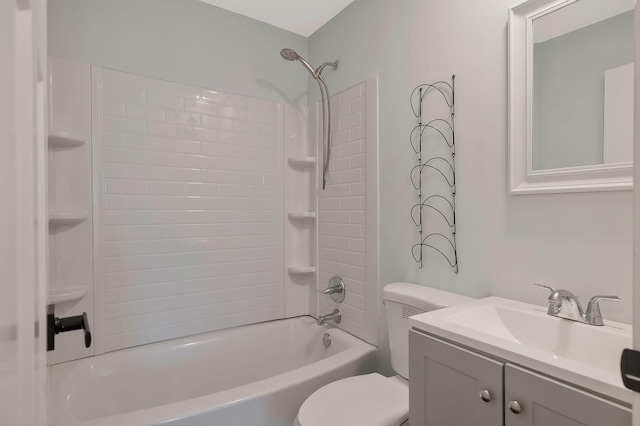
x,y
445,385
453,386
545,402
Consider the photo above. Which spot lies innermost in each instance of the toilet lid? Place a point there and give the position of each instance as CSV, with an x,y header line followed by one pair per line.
x,y
371,399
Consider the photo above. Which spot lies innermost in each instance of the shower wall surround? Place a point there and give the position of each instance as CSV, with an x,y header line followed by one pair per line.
x,y
207,212
188,190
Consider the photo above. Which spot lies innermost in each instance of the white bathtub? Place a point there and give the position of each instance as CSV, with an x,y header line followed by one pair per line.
x,y
256,375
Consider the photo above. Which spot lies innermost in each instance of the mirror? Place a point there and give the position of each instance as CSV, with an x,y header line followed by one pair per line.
x,y
571,95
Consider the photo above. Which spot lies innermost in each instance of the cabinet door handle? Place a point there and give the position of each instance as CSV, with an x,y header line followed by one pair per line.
x,y
515,407
485,395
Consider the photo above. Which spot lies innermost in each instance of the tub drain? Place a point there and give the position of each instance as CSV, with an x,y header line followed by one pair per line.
x,y
326,339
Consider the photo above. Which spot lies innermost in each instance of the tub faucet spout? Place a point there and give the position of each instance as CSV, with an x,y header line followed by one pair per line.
x,y
335,316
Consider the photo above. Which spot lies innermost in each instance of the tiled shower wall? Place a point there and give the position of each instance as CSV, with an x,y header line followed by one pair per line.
x,y
342,241
188,186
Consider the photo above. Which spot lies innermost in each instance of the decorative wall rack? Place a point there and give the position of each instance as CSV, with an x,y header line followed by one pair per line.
x,y
434,175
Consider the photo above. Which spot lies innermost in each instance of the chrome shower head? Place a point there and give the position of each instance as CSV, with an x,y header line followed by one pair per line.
x,y
291,55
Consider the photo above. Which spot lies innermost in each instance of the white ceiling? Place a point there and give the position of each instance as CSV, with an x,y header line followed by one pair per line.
x,y
302,17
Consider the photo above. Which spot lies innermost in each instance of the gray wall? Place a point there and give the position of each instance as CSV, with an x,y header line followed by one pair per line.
x,y
569,91
505,243
180,40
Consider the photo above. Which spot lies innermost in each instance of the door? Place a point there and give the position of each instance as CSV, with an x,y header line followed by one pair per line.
x,y
535,400
450,386
23,225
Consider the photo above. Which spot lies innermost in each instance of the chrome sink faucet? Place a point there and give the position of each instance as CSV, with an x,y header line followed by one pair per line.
x,y
332,316
564,304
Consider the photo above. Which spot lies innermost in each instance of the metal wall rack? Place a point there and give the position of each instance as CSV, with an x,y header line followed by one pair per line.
x,y
434,175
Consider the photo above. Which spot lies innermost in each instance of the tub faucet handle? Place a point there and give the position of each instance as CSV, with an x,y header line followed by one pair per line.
x,y
336,289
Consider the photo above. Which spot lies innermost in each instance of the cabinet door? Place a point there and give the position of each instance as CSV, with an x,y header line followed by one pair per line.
x,y
545,402
445,382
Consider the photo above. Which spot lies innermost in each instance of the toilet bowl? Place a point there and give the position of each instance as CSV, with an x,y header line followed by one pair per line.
x,y
370,399
373,399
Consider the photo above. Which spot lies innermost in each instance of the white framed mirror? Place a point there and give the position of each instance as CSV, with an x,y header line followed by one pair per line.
x,y
571,96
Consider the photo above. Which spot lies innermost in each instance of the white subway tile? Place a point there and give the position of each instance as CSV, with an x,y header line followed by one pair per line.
x,y
203,107
351,121
165,130
183,146
217,176
166,188
144,112
161,100
214,96
358,217
187,118
110,107
125,125
233,112
352,203
247,127
217,149
351,231
183,175
114,139
143,82
181,90
217,123
203,189
352,93
352,148
351,176
358,245
119,93
358,104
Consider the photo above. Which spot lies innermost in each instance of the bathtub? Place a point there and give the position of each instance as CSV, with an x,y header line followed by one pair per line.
x,y
256,375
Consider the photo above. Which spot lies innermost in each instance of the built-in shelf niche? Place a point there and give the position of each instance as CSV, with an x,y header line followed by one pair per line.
x,y
302,216
67,218
59,139
62,295
302,161
302,270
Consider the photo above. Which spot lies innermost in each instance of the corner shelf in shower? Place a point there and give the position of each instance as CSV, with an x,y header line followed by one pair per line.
x,y
302,161
67,218
302,215
70,294
58,139
302,270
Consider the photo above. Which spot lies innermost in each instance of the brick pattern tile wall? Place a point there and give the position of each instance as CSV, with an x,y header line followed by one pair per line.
x,y
341,210
192,210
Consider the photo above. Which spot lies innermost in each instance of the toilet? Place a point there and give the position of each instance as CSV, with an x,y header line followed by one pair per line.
x,y
373,399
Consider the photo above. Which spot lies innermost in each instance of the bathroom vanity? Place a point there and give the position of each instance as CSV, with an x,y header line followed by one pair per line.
x,y
495,361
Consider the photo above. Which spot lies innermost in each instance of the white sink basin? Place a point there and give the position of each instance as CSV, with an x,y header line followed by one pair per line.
x,y
585,355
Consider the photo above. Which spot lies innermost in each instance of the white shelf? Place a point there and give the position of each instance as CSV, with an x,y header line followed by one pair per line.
x,y
302,161
67,218
58,139
302,215
301,270
67,294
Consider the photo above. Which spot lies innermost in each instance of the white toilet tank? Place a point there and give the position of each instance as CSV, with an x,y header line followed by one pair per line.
x,y
403,300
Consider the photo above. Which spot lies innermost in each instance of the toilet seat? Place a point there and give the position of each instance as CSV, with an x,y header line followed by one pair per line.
x,y
371,399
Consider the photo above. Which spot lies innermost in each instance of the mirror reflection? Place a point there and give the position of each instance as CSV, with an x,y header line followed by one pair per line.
x,y
583,85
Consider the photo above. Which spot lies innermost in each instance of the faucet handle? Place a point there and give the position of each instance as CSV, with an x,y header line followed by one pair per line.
x,y
551,289
593,315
